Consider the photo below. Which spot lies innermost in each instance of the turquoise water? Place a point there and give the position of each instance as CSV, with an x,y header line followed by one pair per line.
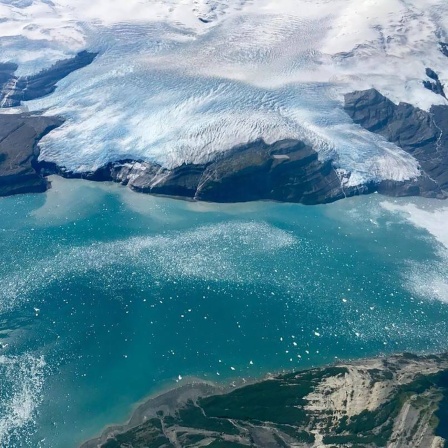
x,y
107,296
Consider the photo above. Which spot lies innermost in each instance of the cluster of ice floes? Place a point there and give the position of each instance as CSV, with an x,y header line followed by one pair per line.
x,y
207,253
22,382
181,81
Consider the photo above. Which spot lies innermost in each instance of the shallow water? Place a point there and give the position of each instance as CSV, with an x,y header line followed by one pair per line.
x,y
107,296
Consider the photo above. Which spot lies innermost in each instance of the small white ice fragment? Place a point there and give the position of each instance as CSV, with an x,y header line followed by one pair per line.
x,y
180,377
316,334
232,368
251,363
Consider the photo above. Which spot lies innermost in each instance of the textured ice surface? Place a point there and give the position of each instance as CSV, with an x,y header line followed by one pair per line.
x,y
180,81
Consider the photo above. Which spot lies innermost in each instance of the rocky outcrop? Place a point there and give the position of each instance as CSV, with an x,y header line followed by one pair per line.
x,y
397,402
287,170
15,89
444,48
434,85
19,135
422,134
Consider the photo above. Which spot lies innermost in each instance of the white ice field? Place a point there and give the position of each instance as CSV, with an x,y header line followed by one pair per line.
x,y
179,81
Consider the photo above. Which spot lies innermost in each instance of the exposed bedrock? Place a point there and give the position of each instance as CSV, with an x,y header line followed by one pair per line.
x,y
434,85
19,135
443,48
287,170
422,134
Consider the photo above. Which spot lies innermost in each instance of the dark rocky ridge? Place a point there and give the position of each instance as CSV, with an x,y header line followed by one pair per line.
x,y
19,135
14,89
422,134
287,170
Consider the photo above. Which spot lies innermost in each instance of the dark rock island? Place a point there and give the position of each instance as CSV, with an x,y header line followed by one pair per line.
x,y
434,84
400,402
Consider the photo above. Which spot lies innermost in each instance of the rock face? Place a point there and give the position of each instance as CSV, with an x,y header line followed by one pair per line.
x,y
19,135
287,170
422,134
14,89
398,402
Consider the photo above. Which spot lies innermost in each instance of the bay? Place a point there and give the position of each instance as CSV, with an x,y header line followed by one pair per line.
x,y
107,296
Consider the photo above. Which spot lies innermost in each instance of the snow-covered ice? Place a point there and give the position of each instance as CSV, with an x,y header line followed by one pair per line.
x,y
179,81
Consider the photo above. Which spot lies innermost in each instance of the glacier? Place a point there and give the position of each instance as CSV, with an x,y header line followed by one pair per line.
x,y
182,81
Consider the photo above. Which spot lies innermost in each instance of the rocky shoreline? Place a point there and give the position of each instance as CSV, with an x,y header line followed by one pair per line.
x,y
396,401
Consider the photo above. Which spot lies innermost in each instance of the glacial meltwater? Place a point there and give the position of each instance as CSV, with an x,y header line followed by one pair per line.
x,y
108,296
